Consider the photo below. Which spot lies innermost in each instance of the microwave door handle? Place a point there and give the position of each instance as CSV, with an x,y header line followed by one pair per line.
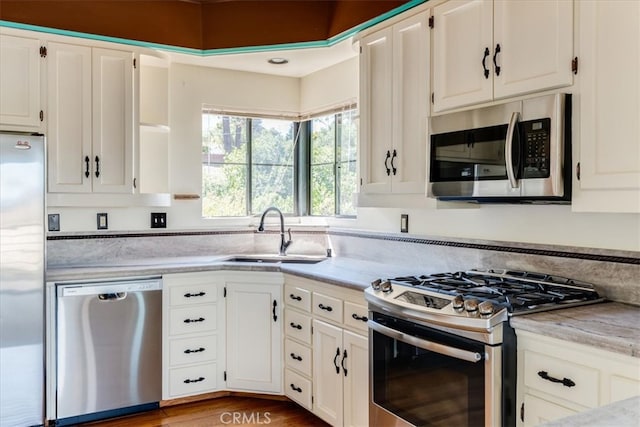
x,y
508,149
469,356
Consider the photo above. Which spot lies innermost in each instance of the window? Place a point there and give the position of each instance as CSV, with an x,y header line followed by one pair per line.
x,y
249,164
333,164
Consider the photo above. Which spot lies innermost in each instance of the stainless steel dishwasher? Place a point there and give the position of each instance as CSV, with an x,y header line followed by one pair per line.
x,y
109,348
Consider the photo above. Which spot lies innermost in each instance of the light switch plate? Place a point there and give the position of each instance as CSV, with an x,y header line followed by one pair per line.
x,y
54,222
102,221
404,223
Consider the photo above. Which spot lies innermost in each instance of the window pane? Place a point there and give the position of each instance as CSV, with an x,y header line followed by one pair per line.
x,y
224,165
323,190
272,154
323,140
272,186
347,157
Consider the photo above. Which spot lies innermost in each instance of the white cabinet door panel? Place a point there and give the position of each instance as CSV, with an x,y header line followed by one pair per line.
x,y
356,380
327,375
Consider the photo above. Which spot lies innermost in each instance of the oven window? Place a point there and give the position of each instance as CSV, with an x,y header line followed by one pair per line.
x,y
427,388
469,155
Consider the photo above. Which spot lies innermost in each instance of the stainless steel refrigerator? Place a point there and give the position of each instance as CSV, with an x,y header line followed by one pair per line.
x,y
22,264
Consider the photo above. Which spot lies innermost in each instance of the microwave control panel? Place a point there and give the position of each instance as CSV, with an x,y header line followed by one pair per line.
x,y
537,144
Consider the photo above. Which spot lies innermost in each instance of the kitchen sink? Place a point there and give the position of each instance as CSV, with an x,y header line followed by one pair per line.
x,y
273,259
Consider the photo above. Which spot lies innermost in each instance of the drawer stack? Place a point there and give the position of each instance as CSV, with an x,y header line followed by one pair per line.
x,y
193,334
297,345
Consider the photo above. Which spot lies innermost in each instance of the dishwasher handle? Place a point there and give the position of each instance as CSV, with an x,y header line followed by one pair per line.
x,y
103,289
113,296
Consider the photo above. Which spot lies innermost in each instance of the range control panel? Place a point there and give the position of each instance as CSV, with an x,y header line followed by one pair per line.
x,y
537,141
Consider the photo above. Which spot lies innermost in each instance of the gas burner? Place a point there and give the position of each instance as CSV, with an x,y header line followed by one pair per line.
x,y
518,291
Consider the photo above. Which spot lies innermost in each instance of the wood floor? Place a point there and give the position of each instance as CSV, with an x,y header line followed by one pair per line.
x,y
224,411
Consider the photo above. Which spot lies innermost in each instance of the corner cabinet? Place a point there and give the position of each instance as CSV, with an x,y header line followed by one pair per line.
x,y
254,331
557,378
486,49
91,127
326,351
20,83
608,122
193,358
394,87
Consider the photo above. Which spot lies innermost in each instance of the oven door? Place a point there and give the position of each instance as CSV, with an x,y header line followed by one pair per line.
x,y
421,376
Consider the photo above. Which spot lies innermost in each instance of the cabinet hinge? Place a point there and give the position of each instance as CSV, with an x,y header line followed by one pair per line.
x,y
431,22
43,51
578,171
225,375
134,62
41,115
224,292
574,65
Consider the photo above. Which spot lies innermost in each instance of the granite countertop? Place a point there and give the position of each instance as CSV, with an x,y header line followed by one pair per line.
x,y
625,413
610,326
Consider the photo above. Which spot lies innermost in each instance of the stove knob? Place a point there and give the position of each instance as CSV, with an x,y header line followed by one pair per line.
x,y
458,303
375,285
485,308
386,286
471,305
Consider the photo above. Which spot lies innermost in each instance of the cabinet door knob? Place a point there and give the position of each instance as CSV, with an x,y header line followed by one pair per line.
x,y
484,65
565,381
295,326
296,357
325,307
86,166
294,388
97,167
295,297
362,318
495,59
199,319
393,167
386,159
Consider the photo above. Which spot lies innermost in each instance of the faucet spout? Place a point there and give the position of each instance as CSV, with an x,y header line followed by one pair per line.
x,y
284,244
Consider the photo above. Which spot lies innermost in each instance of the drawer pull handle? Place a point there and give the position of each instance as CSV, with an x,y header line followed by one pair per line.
x,y
197,350
199,294
295,297
197,380
298,389
295,326
199,319
362,318
565,381
296,357
325,307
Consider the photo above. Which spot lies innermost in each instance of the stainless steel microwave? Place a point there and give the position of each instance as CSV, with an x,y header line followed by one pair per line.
x,y
513,152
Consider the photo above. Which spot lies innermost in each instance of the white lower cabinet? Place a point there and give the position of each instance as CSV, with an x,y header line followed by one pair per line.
x,y
558,378
341,376
193,359
326,351
254,332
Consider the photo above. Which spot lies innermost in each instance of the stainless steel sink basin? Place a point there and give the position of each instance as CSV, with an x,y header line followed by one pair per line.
x,y
273,259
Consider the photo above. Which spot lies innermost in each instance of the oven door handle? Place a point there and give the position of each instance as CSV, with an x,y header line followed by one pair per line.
x,y
469,356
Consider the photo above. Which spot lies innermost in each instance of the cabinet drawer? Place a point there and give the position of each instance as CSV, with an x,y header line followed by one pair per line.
x,y
298,357
192,380
192,350
327,307
538,411
585,379
186,320
297,388
297,297
298,326
197,293
355,316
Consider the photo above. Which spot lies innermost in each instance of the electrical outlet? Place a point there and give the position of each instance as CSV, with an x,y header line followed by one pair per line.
x,y
404,223
54,222
158,220
102,221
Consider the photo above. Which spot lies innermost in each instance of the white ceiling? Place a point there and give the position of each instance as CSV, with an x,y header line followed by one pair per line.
x,y
301,61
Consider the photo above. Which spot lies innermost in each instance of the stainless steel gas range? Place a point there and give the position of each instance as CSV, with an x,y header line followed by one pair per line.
x,y
442,352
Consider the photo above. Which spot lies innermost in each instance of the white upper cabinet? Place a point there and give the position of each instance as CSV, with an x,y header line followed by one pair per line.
x,y
90,130
394,87
20,103
608,124
485,49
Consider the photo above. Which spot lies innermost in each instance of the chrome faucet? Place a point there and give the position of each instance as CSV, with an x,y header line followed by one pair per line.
x,y
283,244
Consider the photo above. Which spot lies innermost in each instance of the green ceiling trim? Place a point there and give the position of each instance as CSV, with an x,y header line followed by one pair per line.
x,y
211,52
